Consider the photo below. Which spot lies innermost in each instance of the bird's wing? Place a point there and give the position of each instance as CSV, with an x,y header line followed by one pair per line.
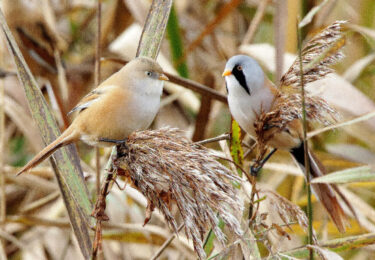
x,y
92,97
87,100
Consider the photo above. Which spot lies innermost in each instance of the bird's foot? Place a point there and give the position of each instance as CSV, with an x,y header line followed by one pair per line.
x,y
254,169
114,141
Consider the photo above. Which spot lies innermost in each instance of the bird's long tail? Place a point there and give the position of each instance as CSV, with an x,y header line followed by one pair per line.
x,y
325,192
67,137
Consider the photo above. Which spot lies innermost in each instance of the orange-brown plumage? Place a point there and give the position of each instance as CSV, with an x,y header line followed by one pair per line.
x,y
125,102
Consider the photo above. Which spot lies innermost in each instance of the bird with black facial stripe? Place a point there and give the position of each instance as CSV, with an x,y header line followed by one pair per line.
x,y
273,118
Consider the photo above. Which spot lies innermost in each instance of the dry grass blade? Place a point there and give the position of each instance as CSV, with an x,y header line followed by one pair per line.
x,y
166,244
346,123
365,31
154,28
67,169
351,175
308,17
318,55
2,156
337,245
353,72
325,254
23,121
249,36
169,169
41,202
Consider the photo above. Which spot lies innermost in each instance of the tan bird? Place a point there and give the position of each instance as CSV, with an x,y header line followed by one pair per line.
x,y
272,116
125,102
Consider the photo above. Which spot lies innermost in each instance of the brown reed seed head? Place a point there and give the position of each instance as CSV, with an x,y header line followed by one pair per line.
x,y
289,107
321,52
169,169
318,55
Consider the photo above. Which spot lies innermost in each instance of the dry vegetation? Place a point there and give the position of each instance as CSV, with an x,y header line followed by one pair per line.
x,y
37,220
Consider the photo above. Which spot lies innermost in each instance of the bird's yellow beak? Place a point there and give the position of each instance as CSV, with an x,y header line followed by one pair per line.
x,y
226,73
163,77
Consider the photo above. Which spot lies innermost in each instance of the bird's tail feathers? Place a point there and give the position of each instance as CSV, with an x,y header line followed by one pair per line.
x,y
67,137
325,192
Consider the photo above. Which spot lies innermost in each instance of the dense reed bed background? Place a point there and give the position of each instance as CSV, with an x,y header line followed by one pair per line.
x,y
41,217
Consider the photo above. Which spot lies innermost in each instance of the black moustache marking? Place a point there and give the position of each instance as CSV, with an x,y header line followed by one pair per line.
x,y
240,76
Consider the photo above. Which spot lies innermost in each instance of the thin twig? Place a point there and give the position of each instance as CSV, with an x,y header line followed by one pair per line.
x,y
41,202
261,10
57,104
279,26
305,145
2,173
99,214
2,140
249,177
250,150
97,82
209,28
6,73
356,120
166,243
203,115
214,139
197,87
61,78
272,228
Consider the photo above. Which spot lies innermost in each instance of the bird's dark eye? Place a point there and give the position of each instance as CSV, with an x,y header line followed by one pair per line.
x,y
149,73
239,67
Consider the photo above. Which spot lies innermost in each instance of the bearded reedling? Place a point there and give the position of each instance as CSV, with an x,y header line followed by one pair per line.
x,y
127,101
272,116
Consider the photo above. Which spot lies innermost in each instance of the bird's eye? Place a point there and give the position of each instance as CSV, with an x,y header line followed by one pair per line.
x,y
149,73
239,67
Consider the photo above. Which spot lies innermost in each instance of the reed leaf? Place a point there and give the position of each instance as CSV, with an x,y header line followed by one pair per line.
x,y
357,174
154,29
65,163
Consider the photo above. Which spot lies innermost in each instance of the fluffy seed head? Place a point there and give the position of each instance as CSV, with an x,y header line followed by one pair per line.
x,y
169,169
321,52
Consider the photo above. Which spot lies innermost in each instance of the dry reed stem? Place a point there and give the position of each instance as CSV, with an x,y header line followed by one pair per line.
x,y
98,54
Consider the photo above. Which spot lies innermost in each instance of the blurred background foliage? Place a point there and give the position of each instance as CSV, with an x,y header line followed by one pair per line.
x,y
200,36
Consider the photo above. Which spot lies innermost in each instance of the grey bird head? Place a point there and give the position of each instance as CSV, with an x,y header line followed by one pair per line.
x,y
243,73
